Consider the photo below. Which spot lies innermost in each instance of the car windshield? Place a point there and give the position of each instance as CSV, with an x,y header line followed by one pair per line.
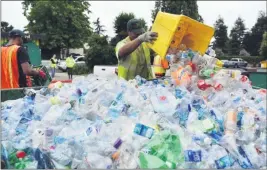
x,y
80,59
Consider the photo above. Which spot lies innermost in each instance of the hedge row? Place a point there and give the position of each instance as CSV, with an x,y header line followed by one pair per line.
x,y
81,69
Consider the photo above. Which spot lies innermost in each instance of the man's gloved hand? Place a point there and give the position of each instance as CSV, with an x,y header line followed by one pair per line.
x,y
148,37
42,74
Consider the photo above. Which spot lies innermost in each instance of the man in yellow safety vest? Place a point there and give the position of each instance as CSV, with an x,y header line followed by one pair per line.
x,y
133,53
160,66
53,64
70,62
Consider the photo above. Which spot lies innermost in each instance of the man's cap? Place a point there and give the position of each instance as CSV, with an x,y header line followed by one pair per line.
x,y
135,26
16,33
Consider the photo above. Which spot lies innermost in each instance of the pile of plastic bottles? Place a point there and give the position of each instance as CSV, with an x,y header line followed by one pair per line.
x,y
202,117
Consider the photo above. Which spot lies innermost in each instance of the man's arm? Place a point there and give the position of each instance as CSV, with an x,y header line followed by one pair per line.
x,y
26,68
23,58
128,48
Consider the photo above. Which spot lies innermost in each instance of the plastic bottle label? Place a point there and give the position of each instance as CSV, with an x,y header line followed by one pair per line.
x,y
239,119
215,135
23,125
179,93
246,164
143,130
192,156
226,161
59,140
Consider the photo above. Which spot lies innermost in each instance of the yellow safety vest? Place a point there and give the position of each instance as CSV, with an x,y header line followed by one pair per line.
x,y
157,66
51,63
127,68
70,62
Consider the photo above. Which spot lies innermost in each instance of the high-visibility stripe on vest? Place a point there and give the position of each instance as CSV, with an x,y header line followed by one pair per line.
x,y
127,67
157,66
70,62
160,65
9,67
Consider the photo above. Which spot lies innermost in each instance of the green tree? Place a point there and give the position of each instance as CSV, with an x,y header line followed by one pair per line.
x,y
185,7
220,34
237,36
253,38
65,23
157,8
100,52
99,29
5,27
263,48
120,26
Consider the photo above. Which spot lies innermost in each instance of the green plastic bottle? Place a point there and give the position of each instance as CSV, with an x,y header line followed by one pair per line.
x,y
164,150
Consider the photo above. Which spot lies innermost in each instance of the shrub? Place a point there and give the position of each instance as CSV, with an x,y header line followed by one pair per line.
x,y
100,52
81,69
263,48
219,52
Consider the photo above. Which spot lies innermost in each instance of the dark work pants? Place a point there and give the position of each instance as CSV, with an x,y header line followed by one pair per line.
x,y
69,72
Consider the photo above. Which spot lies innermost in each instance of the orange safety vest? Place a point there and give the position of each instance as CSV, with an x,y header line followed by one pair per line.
x,y
160,65
9,67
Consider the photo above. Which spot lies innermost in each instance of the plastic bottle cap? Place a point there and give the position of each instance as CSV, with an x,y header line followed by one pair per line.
x,y
118,143
54,100
115,155
48,132
20,154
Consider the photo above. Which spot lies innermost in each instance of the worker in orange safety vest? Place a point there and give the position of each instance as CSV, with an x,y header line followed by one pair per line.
x,y
160,66
15,67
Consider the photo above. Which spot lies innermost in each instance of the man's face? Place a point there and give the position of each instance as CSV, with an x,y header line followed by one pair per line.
x,y
19,40
133,35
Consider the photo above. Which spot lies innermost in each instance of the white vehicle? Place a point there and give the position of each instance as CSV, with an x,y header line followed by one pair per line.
x,y
79,60
105,71
237,63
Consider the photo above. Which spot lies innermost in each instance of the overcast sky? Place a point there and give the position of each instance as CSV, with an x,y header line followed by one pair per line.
x,y
11,11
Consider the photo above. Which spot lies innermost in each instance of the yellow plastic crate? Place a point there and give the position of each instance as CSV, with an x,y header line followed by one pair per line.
x,y
174,30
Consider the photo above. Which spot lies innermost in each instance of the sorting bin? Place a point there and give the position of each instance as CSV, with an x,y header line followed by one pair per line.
x,y
38,81
174,30
37,84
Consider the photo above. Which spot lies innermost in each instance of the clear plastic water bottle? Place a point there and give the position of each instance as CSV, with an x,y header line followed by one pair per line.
x,y
218,158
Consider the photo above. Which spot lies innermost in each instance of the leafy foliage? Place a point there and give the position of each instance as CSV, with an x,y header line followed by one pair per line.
x,y
157,8
253,38
185,7
99,29
220,34
65,23
120,24
120,27
100,52
81,69
237,36
263,49
5,27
